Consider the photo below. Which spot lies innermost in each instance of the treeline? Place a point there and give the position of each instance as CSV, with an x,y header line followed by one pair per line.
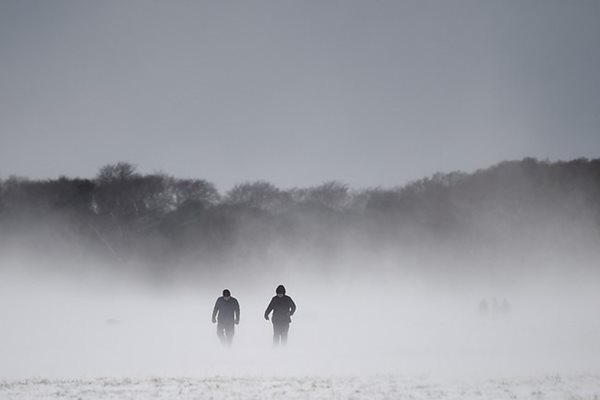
x,y
125,216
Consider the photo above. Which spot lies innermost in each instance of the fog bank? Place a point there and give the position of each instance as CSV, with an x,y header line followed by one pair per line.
x,y
388,323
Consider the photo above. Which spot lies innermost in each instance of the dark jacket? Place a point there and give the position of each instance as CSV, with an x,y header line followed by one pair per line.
x,y
228,310
283,308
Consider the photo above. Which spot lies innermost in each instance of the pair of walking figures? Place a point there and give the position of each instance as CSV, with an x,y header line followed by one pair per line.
x,y
226,314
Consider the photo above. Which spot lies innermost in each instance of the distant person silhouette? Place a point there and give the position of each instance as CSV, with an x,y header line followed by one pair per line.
x,y
496,307
283,308
505,307
484,307
227,313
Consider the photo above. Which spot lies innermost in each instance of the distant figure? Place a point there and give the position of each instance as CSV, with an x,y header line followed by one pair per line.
x,y
283,308
495,307
483,307
505,307
228,310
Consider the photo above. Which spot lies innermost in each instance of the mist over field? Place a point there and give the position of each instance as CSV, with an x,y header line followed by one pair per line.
x,y
491,273
422,176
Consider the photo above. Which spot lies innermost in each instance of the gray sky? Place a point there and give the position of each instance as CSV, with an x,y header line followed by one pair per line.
x,y
296,92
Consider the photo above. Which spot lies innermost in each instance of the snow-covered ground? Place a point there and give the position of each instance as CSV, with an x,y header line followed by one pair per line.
x,y
375,387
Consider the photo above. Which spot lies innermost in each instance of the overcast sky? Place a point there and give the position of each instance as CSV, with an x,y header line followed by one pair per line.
x,y
296,92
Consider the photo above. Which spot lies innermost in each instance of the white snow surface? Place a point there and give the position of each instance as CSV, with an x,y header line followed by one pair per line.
x,y
316,387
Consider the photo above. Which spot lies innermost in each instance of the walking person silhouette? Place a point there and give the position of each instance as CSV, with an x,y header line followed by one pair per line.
x,y
227,313
283,308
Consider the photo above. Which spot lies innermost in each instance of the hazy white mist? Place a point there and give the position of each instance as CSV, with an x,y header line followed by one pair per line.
x,y
388,322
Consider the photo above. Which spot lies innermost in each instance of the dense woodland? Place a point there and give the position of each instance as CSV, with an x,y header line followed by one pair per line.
x,y
122,216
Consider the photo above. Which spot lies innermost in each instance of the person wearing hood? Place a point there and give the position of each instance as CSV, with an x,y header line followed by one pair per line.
x,y
283,307
227,313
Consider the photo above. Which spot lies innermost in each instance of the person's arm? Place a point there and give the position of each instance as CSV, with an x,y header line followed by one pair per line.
x,y
215,310
269,309
292,307
237,312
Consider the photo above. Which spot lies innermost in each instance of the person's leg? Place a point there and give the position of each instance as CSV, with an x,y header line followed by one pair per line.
x,y
285,328
230,331
221,332
276,334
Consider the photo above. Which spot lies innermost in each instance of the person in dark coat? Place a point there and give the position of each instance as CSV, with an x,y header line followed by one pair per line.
x,y
283,308
227,313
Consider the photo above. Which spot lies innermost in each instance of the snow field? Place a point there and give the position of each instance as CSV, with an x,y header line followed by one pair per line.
x,y
549,387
